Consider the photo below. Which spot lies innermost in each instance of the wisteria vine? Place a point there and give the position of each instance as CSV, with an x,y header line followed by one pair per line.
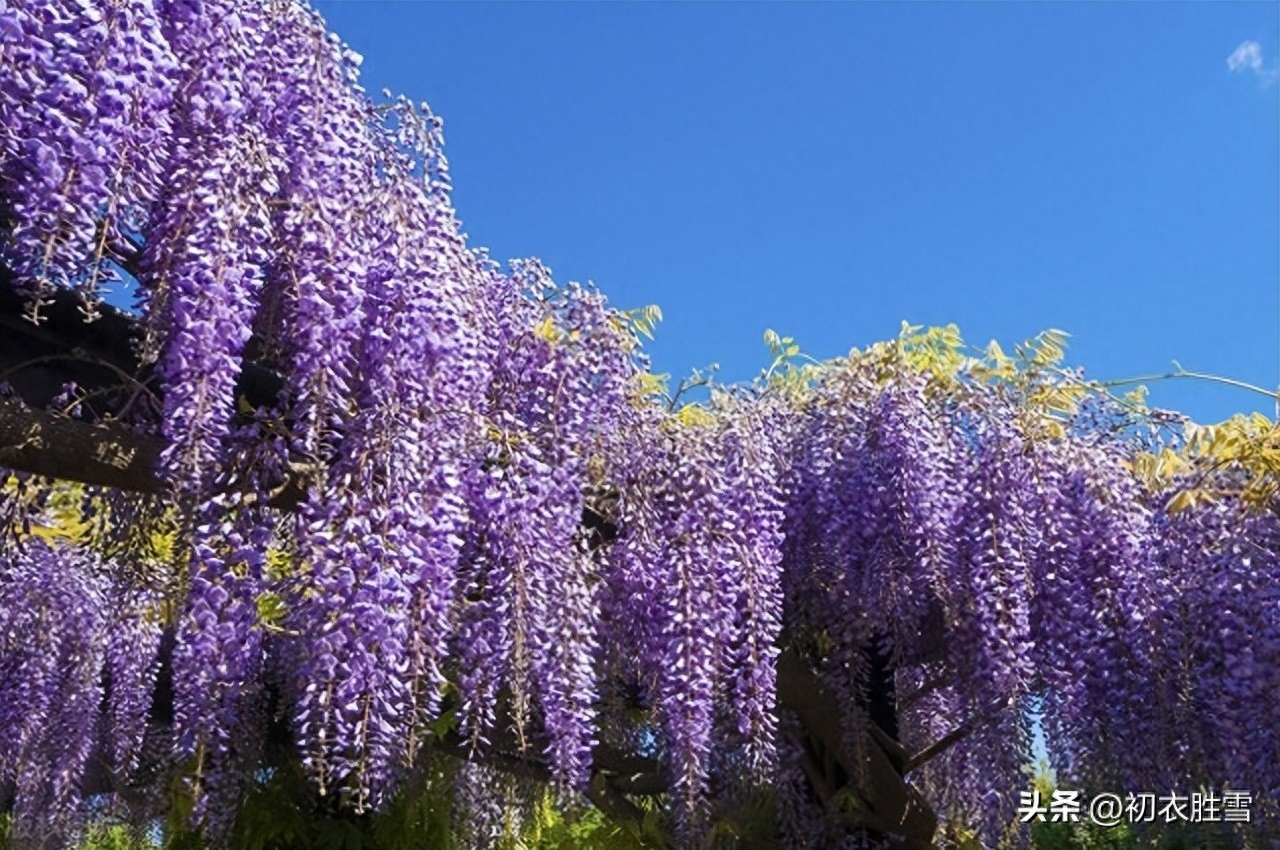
x,y
467,518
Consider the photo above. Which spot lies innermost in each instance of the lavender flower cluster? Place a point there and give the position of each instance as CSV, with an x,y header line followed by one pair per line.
x,y
692,606
1011,574
66,628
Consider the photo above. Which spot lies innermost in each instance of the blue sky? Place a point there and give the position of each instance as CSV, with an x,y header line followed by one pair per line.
x,y
829,170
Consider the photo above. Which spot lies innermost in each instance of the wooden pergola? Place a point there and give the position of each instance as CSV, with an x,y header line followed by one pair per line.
x,y
101,449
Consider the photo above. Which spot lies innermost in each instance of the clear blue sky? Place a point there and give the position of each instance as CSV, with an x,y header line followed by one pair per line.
x,y
829,170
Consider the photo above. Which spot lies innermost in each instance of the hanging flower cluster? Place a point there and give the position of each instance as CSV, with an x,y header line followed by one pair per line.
x,y
693,606
1012,570
88,120
66,629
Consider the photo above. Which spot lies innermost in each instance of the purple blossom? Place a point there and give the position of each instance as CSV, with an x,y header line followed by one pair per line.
x,y
53,625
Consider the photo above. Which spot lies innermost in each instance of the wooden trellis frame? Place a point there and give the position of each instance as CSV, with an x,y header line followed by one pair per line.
x,y
36,361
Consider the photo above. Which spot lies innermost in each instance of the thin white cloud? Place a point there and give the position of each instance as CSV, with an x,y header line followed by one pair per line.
x,y
1248,57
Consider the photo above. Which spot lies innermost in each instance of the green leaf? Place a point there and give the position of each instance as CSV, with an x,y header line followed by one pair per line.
x,y
271,608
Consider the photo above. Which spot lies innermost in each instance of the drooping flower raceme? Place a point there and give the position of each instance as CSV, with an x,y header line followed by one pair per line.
x,y
56,637
85,137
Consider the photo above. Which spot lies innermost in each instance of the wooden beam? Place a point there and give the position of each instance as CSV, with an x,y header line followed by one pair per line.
x,y
104,454
894,806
